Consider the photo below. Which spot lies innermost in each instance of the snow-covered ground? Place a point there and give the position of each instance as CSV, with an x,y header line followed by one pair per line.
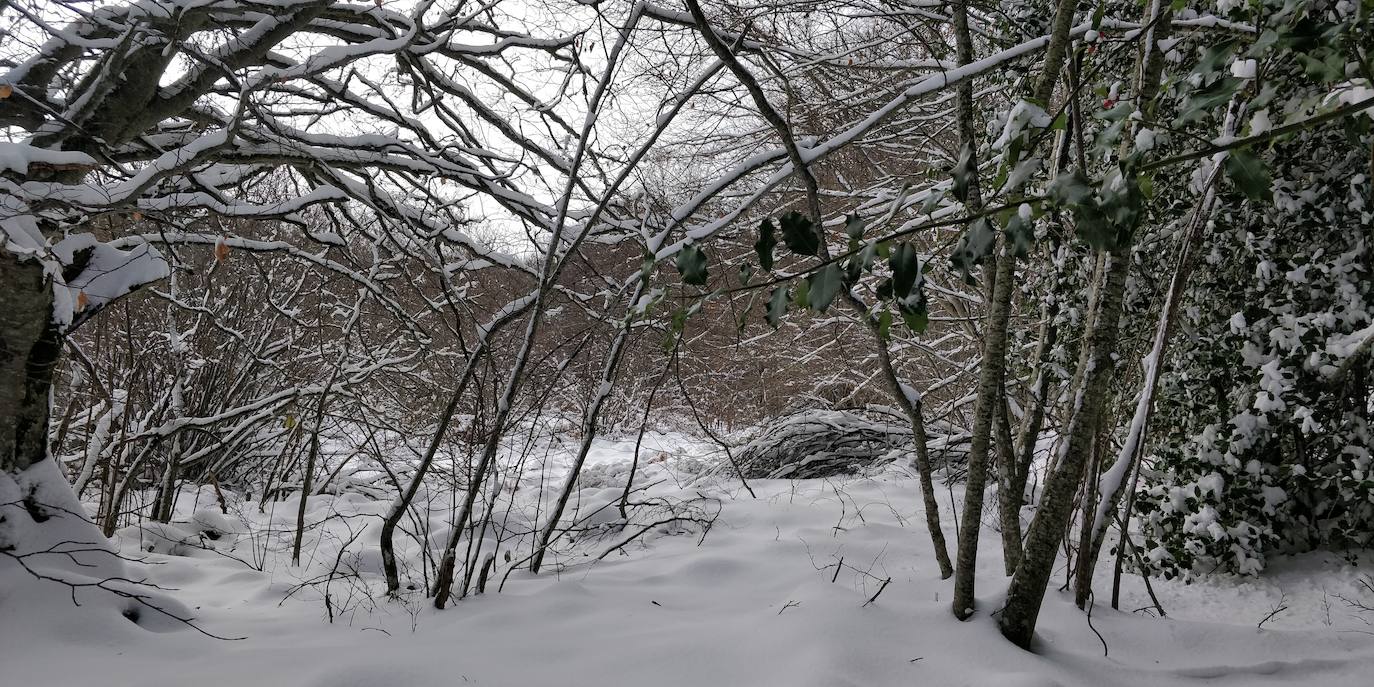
x,y
759,601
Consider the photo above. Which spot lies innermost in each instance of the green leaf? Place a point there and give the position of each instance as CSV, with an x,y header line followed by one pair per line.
x,y
975,245
854,227
916,318
744,314
1324,69
691,263
1216,57
745,274
1249,175
799,235
963,174
679,323
764,246
1070,188
777,306
1093,227
803,295
906,269
885,290
1118,112
1020,235
824,286
1207,99
885,325
931,202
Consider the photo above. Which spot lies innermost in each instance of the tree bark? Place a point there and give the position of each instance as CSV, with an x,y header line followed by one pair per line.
x,y
999,272
1027,590
30,344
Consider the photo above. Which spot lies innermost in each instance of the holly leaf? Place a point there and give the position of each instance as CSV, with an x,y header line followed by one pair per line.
x,y
963,174
1020,235
824,285
854,227
799,235
1207,99
764,246
777,306
975,245
917,318
1249,175
906,269
1070,188
691,264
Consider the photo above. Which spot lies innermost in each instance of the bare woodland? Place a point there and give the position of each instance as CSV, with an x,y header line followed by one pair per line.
x,y
404,250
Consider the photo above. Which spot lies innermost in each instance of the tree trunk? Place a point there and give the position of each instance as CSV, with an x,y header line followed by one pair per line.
x,y
29,348
1008,497
1027,590
999,272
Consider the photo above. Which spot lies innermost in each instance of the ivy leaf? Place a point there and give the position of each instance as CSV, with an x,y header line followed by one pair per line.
x,y
799,235
777,306
691,263
764,246
1249,175
824,285
885,325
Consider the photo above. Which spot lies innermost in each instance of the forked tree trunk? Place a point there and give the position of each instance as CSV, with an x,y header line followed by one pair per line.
x,y
995,339
1046,532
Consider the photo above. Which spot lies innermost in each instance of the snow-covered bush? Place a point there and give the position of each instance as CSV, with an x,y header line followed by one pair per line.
x,y
1268,402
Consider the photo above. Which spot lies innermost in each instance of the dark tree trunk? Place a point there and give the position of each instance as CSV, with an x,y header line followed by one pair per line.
x,y
29,348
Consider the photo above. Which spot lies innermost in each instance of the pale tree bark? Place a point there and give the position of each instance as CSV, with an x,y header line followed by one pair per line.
x,y
993,365
999,274
1008,499
1047,530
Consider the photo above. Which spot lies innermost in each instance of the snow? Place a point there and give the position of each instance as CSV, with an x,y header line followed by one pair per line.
x,y
17,157
1145,139
757,601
